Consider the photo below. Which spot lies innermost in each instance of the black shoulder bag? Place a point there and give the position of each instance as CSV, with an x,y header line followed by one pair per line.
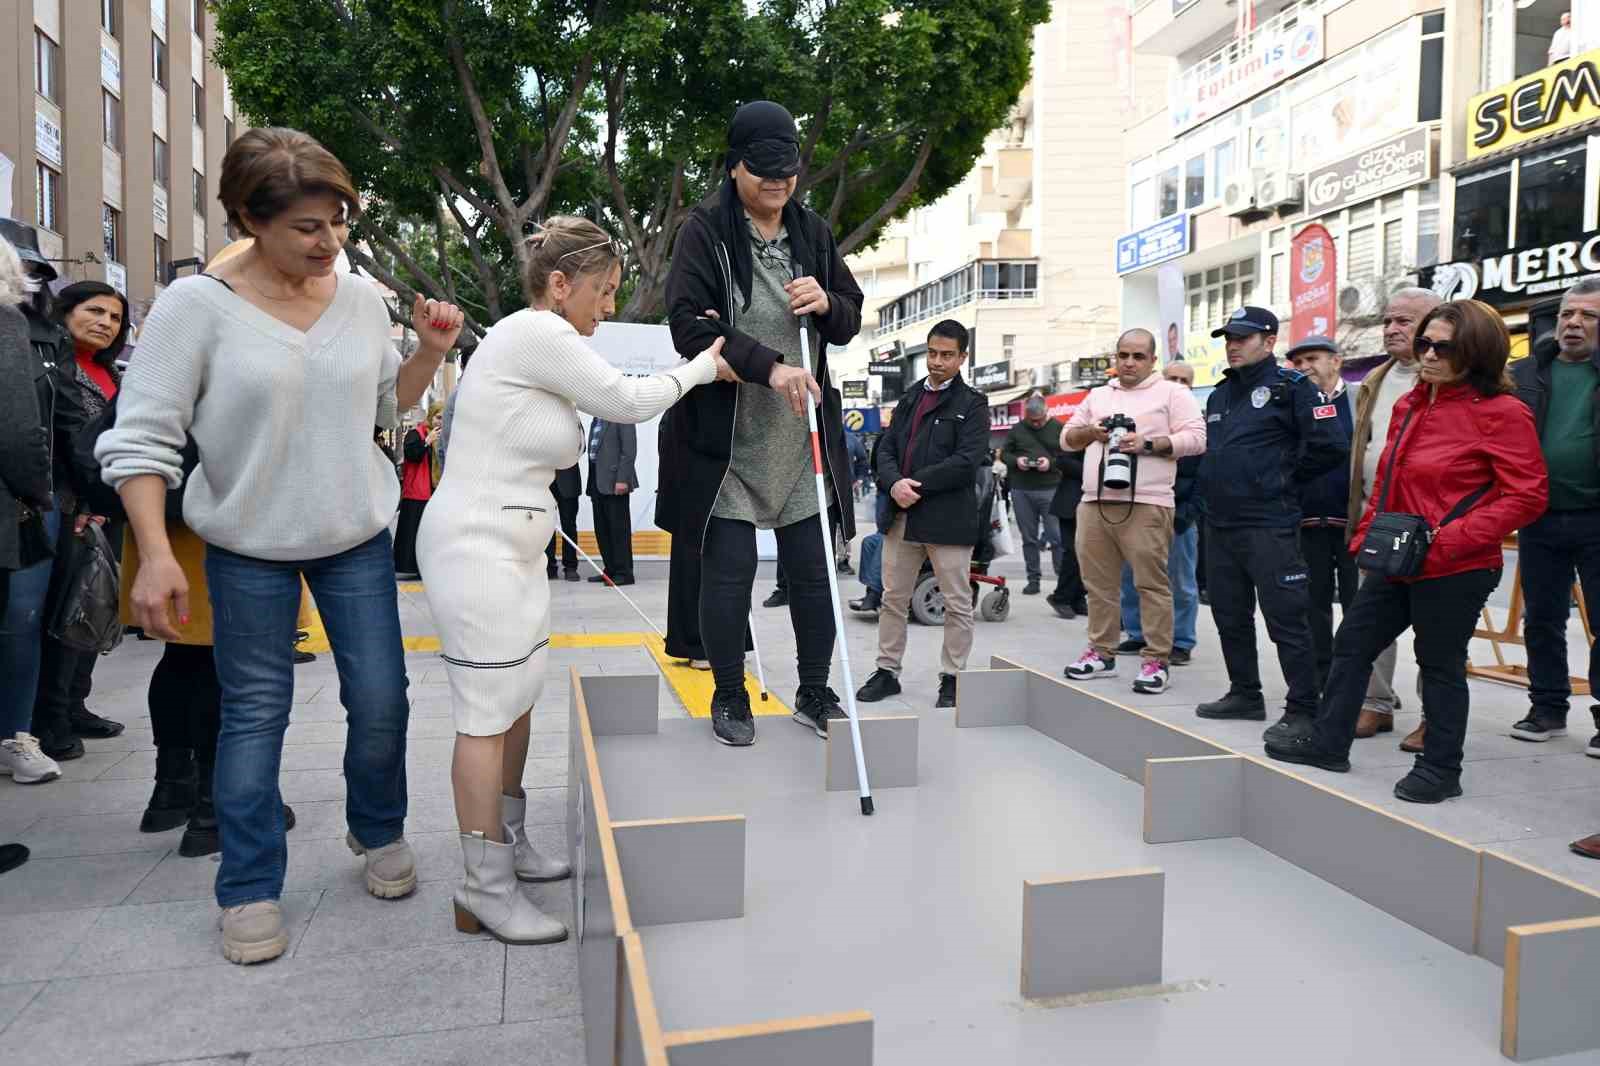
x,y
1397,543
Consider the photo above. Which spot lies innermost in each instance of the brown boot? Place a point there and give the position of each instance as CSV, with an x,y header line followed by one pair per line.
x,y
1413,741
1371,723
1588,847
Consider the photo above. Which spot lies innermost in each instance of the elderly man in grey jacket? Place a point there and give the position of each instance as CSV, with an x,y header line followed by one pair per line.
x,y
612,450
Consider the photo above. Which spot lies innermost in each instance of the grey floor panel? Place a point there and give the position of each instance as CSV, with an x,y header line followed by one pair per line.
x,y
921,915
558,1042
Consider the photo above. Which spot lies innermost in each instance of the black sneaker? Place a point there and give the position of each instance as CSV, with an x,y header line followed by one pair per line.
x,y
1180,657
1424,785
85,723
12,856
1235,706
731,721
1593,750
880,686
779,598
947,691
1287,726
570,575
815,706
1031,588
1302,748
1538,730
1130,646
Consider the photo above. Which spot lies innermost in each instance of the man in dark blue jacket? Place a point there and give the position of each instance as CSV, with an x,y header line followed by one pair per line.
x,y
1268,434
1325,503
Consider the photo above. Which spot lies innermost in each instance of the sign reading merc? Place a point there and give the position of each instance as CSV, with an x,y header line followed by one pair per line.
x,y
1399,162
1517,275
1544,102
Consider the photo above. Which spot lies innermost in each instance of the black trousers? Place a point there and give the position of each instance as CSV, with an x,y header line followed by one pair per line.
x,y
186,700
569,526
1442,612
405,536
1247,565
66,675
1333,572
613,529
727,577
1551,550
1069,579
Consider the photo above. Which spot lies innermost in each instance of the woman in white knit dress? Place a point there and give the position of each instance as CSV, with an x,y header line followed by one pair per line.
x,y
482,540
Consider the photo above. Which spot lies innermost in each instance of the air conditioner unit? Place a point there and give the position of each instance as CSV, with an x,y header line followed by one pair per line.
x,y
1361,299
1239,197
1280,190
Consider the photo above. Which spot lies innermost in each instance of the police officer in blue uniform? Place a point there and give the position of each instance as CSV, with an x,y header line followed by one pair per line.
x,y
1268,434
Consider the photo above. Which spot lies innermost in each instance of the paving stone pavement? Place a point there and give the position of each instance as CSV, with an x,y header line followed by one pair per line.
x,y
111,951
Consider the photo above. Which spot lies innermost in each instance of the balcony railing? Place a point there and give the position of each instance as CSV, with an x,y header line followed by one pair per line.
x,y
981,279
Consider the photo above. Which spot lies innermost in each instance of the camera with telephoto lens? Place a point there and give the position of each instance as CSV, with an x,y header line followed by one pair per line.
x,y
1118,464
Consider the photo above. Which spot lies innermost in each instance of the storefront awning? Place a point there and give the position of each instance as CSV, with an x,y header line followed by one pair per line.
x,y
1001,397
1533,144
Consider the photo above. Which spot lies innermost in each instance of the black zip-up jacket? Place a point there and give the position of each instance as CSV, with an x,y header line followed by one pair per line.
x,y
1267,436
952,443
1532,378
697,433
61,404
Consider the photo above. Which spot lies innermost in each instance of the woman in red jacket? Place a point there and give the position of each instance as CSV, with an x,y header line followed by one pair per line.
x,y
418,478
1461,430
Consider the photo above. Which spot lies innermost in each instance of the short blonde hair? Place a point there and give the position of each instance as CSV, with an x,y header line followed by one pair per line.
x,y
15,284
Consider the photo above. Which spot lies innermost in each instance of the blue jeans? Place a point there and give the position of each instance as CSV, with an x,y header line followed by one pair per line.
x,y
21,642
871,569
1181,561
254,604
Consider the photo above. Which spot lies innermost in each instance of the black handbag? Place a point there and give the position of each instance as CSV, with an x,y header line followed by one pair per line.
x,y
87,613
1397,543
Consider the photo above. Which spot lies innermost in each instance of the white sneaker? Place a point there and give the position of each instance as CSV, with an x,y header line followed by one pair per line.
x,y
1152,678
1091,664
27,765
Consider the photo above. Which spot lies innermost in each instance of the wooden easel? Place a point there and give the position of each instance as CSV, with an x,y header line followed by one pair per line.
x,y
1511,633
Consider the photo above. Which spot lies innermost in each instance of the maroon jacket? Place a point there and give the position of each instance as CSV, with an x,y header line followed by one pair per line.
x,y
1457,442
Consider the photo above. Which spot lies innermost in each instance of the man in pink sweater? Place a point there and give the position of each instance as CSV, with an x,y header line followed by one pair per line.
x,y
1132,523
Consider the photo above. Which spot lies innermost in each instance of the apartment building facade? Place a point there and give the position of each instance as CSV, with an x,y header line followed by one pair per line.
x,y
114,141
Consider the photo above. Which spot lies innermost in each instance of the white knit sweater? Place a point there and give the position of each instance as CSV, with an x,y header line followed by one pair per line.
x,y
283,419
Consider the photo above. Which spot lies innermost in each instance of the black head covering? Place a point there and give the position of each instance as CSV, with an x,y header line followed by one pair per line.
x,y
763,137
83,291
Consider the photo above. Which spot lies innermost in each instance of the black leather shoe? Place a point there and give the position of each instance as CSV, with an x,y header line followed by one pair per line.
x,y
880,686
175,794
1031,588
731,721
1302,748
1234,706
1065,610
779,598
12,856
549,573
598,579
61,749
815,706
870,603
570,575
1180,657
85,723
1128,647
947,691
1423,785
1287,726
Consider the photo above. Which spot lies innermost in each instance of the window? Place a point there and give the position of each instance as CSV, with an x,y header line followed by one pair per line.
x,y
1427,238
163,164
198,188
1550,195
111,227
1194,182
197,17
1394,247
1430,81
111,120
47,197
1168,193
199,104
1483,212
158,55
162,258
1008,345
108,17
1218,293
46,67
1221,168
1361,249
1009,281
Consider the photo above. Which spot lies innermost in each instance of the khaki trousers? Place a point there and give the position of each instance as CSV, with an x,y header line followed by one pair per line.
x,y
952,563
1140,537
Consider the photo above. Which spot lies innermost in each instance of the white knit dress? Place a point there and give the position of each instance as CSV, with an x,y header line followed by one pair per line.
x,y
481,544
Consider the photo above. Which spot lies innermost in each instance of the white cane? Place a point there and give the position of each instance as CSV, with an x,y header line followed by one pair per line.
x,y
607,579
833,575
755,645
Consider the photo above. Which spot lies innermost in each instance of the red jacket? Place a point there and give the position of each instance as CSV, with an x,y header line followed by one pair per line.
x,y
1457,442
416,473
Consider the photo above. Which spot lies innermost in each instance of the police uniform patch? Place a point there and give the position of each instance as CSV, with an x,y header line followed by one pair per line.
x,y
1213,418
1260,396
1327,410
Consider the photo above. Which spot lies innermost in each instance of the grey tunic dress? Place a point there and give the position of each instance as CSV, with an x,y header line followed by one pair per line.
x,y
770,482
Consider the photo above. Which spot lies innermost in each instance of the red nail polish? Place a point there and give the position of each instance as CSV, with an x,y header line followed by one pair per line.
x,y
183,620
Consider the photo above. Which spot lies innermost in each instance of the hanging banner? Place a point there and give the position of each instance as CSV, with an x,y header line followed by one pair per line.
x,y
1313,294
1169,284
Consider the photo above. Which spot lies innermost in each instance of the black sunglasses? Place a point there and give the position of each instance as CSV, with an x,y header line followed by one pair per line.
x,y
1443,349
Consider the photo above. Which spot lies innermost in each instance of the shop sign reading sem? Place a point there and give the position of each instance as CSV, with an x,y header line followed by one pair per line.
x,y
1544,102
1397,163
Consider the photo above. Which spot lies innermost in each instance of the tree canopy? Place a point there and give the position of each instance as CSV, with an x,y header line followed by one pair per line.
x,y
466,122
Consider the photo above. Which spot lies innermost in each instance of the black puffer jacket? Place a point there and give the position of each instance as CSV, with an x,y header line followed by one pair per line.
x,y
24,442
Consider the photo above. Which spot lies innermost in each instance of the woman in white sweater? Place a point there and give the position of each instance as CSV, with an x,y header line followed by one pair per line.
x,y
481,546
279,368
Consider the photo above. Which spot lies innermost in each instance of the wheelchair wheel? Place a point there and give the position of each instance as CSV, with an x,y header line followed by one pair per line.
x,y
927,602
996,606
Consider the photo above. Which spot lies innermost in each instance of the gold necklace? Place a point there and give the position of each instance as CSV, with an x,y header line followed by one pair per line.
x,y
265,295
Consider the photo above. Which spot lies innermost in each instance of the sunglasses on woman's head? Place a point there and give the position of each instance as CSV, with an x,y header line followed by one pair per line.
x,y
616,249
1444,349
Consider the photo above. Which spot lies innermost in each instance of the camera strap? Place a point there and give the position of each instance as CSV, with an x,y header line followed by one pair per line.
x,y
1133,487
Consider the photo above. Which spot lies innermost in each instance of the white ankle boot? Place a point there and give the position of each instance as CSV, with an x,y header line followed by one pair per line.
x,y
531,866
491,898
